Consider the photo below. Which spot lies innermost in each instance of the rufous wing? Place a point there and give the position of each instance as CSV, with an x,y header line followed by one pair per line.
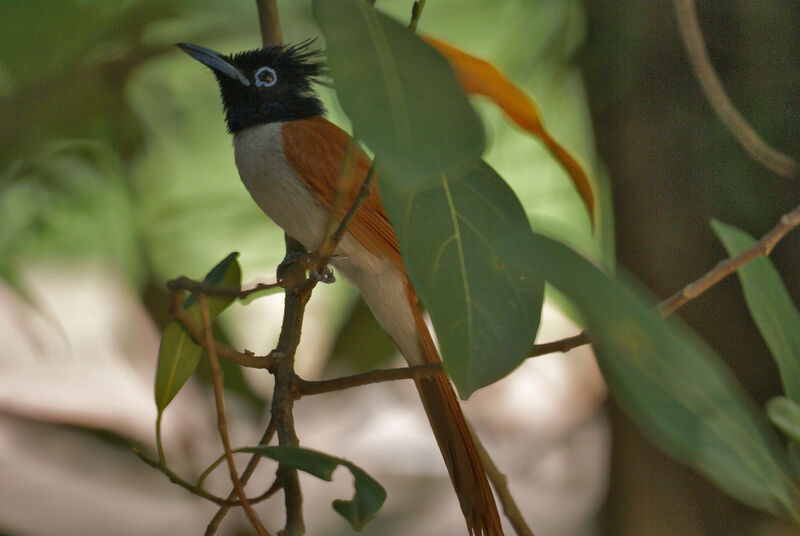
x,y
325,157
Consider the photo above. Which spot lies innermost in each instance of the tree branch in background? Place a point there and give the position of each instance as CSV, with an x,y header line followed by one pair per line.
x,y
723,269
726,267
694,42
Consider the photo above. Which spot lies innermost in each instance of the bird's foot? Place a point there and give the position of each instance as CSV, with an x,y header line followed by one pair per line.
x,y
326,276
295,265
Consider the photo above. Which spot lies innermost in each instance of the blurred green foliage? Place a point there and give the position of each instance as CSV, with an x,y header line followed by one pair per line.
x,y
114,148
676,389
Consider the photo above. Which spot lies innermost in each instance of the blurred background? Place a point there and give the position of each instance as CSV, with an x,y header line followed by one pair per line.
x,y
116,174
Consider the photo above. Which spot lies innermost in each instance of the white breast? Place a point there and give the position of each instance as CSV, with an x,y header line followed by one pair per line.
x,y
284,197
275,186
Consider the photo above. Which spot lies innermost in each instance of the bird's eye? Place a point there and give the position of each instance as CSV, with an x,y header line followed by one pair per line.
x,y
266,77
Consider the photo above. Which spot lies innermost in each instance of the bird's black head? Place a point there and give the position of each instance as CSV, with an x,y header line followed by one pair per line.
x,y
264,85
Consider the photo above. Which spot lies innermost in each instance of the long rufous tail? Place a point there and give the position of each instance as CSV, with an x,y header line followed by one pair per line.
x,y
455,442
460,455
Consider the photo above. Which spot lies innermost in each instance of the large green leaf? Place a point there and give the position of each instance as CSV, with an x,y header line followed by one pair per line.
x,y
369,494
178,354
462,235
400,93
769,303
676,389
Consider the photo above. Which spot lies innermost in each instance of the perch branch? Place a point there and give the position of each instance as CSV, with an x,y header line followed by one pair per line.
x,y
297,296
720,101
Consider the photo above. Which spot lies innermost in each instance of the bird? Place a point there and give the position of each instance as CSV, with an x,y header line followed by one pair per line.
x,y
290,158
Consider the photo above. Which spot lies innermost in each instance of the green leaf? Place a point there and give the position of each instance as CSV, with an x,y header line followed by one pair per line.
x,y
401,95
462,238
361,343
769,303
178,354
366,502
676,389
226,274
369,494
785,414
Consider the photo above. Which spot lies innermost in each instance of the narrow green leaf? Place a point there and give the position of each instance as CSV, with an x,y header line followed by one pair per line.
x,y
770,305
178,354
369,494
785,414
401,95
677,390
462,236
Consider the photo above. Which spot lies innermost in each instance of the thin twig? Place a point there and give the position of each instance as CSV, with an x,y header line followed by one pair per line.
x,y
416,13
723,269
720,101
500,483
213,525
184,283
246,359
174,478
561,345
192,488
327,248
269,21
222,425
305,387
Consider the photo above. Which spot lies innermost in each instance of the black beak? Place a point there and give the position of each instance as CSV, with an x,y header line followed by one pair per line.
x,y
215,61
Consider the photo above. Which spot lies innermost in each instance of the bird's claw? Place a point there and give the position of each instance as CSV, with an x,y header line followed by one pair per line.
x,y
326,276
293,263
